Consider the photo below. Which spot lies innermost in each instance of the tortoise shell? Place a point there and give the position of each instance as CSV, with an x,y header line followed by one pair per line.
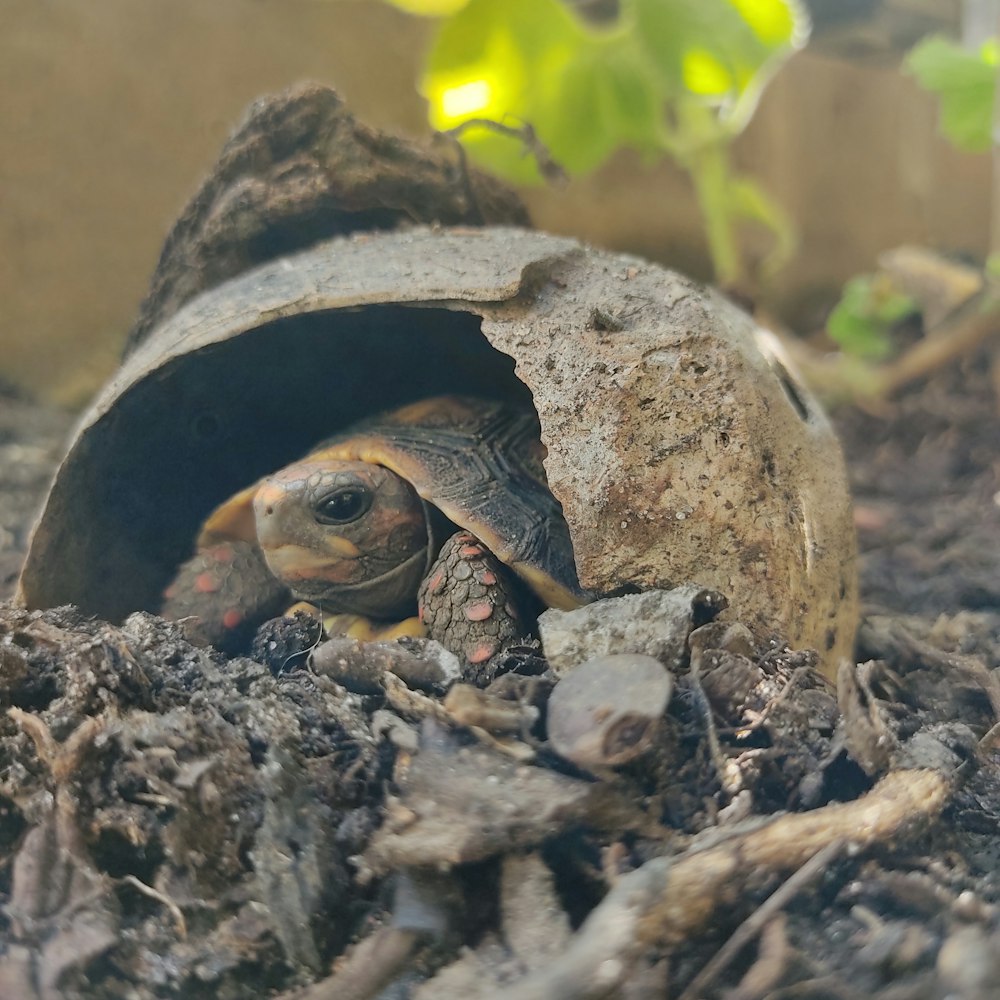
x,y
479,462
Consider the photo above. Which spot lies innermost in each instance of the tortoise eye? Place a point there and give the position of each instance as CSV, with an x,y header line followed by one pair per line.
x,y
343,505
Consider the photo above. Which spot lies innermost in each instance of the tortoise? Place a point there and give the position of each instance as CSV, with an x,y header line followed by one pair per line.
x,y
372,515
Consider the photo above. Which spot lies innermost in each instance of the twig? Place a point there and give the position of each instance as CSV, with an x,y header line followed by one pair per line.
x,y
774,954
990,739
525,134
148,890
372,964
727,772
757,920
409,702
779,699
62,759
869,386
970,325
667,900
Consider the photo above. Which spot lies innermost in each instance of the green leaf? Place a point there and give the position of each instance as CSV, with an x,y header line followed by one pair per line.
x,y
964,82
668,76
720,50
862,320
584,91
775,22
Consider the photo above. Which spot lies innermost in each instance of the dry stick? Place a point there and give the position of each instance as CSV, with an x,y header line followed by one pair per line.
x,y
779,699
933,656
547,167
990,739
969,326
174,909
757,920
667,900
704,707
373,963
774,953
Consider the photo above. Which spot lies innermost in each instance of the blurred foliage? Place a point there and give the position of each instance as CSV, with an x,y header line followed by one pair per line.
x,y
861,323
965,84
430,8
666,77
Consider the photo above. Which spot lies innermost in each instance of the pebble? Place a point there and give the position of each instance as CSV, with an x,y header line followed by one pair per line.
x,y
967,964
656,623
608,710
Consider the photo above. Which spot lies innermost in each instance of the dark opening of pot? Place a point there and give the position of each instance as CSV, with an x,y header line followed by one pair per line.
x,y
212,421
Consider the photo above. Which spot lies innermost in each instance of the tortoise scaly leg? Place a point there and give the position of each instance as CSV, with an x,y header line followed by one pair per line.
x,y
468,601
227,590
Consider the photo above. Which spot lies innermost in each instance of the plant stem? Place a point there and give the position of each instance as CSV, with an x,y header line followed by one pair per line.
x,y
709,169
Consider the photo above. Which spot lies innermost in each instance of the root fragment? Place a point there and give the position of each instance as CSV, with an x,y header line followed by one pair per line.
x,y
666,900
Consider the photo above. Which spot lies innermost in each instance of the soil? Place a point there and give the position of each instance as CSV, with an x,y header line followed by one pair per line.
x,y
31,441
926,481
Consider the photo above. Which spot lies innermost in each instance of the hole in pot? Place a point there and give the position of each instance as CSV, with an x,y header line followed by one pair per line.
x,y
206,426
791,390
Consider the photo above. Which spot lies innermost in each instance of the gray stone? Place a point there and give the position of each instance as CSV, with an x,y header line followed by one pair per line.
x,y
656,623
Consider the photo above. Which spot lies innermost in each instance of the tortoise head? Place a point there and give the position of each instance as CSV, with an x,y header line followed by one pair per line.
x,y
348,535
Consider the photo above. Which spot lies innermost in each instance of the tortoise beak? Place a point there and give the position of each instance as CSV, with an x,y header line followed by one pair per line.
x,y
349,535
286,534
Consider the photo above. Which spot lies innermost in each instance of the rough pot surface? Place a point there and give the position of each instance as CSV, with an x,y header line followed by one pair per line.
x,y
679,445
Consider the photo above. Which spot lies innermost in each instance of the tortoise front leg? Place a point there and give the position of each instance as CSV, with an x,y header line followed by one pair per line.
x,y
470,602
227,591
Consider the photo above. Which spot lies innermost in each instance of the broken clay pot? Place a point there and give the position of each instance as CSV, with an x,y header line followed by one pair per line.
x,y
680,445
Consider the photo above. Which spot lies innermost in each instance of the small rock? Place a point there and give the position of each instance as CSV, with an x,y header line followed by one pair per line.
x,y
733,637
608,710
429,667
282,644
348,662
728,679
656,623
967,964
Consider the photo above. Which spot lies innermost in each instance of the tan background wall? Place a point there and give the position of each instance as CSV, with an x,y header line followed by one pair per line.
x,y
110,111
